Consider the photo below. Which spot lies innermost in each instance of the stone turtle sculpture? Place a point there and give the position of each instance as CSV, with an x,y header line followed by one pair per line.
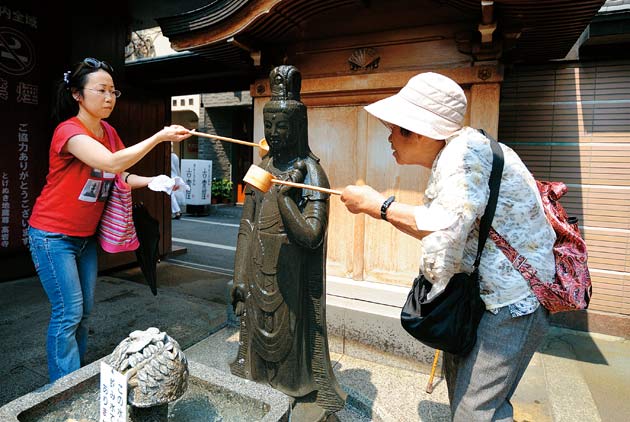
x,y
156,366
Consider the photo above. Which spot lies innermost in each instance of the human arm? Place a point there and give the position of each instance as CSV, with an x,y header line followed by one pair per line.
x,y
96,155
458,188
455,198
364,199
137,181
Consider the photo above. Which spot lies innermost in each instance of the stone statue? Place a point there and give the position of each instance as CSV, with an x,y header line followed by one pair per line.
x,y
279,271
157,372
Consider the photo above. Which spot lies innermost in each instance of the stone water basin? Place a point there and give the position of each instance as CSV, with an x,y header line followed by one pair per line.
x,y
212,395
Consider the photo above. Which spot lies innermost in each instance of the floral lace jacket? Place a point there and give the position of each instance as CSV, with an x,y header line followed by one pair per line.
x,y
455,200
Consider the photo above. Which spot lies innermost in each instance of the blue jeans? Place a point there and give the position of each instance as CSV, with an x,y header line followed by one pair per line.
x,y
67,267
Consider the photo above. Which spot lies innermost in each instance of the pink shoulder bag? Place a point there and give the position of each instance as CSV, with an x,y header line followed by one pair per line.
x,y
116,231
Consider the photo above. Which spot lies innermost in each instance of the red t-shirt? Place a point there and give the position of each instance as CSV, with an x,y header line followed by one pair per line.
x,y
74,196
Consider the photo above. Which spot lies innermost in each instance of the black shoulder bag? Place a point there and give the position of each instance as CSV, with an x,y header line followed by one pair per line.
x,y
449,321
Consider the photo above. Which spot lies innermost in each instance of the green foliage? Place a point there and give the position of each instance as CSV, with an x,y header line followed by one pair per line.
x,y
222,188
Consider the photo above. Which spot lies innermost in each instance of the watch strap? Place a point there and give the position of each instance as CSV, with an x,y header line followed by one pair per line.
x,y
385,206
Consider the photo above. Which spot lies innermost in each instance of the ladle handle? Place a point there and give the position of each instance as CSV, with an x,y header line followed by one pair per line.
x,y
223,138
311,187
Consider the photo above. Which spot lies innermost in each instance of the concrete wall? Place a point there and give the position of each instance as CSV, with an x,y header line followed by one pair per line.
x,y
218,116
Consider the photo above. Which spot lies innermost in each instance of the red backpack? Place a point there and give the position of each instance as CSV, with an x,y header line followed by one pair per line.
x,y
571,287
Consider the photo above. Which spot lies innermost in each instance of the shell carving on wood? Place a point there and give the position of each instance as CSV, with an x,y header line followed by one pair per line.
x,y
364,59
156,365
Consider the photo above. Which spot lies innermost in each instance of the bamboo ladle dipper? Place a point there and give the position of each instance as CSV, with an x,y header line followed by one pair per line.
x,y
261,179
263,145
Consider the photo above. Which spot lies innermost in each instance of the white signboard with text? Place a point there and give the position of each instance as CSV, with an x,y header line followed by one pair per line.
x,y
113,395
198,175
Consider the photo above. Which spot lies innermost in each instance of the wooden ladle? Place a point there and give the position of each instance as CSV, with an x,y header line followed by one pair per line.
x,y
261,179
263,145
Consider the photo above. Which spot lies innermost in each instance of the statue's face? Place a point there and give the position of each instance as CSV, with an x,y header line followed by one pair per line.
x,y
278,131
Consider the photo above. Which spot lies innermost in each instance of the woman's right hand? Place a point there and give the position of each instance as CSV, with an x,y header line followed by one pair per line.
x,y
362,199
173,133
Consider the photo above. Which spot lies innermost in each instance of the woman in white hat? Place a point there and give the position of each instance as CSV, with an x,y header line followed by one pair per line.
x,y
426,121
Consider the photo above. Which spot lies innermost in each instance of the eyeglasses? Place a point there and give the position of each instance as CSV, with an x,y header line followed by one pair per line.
x,y
105,93
97,64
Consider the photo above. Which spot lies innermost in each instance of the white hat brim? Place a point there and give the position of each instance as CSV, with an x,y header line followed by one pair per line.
x,y
400,112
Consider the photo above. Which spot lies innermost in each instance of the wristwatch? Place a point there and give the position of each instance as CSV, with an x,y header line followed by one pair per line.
x,y
386,205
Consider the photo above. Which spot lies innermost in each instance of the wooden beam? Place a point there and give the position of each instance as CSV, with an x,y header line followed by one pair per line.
x,y
484,107
380,84
487,12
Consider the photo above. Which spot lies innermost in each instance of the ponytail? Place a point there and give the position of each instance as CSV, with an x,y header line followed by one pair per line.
x,y
64,106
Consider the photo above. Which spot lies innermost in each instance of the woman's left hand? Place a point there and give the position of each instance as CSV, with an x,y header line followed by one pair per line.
x,y
362,199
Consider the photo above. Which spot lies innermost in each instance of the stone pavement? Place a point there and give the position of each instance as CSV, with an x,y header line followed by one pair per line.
x,y
574,376
188,306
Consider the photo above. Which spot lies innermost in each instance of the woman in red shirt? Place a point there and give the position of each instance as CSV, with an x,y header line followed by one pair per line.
x,y
65,217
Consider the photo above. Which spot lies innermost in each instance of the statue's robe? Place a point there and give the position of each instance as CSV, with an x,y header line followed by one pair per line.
x,y
283,338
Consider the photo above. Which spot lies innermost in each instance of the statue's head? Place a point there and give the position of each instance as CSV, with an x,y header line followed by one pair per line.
x,y
286,128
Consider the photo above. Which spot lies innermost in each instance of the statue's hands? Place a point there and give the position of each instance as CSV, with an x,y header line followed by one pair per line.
x,y
238,295
296,175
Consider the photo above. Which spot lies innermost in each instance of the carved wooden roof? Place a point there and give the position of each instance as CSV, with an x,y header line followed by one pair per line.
x,y
211,14
548,28
229,30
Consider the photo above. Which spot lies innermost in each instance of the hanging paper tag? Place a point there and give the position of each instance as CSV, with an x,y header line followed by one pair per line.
x,y
113,395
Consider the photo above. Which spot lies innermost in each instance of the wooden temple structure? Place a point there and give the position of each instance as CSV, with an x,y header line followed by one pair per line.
x,y
351,53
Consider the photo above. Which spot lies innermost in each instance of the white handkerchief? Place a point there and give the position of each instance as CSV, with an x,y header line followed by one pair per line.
x,y
163,183
180,182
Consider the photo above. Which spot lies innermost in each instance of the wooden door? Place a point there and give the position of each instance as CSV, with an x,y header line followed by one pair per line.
x,y
136,119
353,149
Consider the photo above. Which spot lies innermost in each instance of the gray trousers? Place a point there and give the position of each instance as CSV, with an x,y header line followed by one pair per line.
x,y
481,384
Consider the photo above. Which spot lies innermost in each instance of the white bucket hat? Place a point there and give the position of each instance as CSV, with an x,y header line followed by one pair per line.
x,y
430,104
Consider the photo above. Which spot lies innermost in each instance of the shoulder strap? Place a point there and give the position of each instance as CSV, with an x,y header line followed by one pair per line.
x,y
495,184
110,136
519,262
